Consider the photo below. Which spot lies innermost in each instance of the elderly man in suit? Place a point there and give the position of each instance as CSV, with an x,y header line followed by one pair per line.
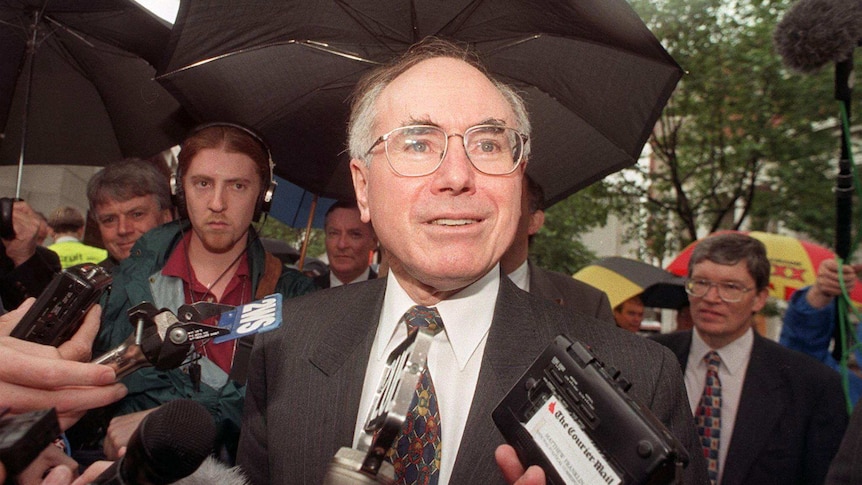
x,y
765,414
551,285
438,151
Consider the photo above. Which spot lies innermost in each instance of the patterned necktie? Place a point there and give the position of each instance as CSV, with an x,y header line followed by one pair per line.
x,y
707,418
415,455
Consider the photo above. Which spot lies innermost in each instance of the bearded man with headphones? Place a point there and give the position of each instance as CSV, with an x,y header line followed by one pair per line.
x,y
212,253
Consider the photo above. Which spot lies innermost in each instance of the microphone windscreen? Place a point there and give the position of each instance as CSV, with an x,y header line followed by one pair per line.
x,y
815,32
173,440
212,472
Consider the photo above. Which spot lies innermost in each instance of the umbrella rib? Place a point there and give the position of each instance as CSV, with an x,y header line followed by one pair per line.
x,y
321,46
364,20
68,30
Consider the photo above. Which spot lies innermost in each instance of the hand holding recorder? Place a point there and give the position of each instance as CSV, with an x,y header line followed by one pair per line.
x,y
32,379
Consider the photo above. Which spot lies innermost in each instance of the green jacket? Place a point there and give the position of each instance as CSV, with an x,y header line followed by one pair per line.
x,y
139,279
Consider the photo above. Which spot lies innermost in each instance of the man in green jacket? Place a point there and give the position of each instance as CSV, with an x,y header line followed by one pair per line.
x,y
223,183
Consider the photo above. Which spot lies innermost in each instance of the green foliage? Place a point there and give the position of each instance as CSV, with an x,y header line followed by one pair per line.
x,y
737,142
557,245
273,228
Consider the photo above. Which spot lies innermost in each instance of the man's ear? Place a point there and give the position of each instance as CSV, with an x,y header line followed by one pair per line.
x,y
537,220
760,299
359,172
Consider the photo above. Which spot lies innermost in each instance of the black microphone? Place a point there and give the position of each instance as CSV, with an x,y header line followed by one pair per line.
x,y
169,444
814,33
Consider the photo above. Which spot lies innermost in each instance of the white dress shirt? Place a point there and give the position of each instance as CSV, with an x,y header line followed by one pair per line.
x,y
334,281
454,359
734,362
521,276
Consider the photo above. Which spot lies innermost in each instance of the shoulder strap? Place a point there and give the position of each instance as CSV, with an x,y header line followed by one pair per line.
x,y
271,273
266,286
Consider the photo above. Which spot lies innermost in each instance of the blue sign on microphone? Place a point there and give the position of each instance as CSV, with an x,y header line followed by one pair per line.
x,y
258,316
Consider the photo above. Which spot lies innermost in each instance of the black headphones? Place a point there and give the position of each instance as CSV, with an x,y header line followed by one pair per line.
x,y
264,200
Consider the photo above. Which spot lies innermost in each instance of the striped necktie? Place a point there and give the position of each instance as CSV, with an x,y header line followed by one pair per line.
x,y
416,453
707,418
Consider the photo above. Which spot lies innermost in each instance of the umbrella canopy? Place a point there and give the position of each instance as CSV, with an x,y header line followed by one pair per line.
x,y
292,205
86,86
794,263
594,77
623,278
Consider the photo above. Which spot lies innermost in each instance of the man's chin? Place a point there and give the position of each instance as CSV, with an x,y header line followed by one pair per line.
x,y
218,244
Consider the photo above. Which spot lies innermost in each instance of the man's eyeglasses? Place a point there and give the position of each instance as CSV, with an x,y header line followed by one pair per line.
x,y
417,150
727,291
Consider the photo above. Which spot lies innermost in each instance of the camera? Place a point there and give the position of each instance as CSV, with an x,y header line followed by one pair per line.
x,y
59,310
571,415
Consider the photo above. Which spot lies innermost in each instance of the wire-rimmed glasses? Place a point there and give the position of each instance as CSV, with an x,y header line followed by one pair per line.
x,y
417,150
729,292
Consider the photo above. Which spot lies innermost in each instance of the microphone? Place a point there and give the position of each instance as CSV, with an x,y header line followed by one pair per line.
x,y
814,33
169,444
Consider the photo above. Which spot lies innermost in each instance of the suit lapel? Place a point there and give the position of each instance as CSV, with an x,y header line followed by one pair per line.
x,y
511,347
761,405
341,355
330,352
541,285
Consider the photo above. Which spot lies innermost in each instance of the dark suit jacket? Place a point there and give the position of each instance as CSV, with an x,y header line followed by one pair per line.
x,y
846,468
305,380
322,281
570,292
790,419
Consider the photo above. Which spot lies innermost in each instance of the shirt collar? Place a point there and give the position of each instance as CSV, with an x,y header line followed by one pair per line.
x,y
733,355
521,276
467,315
177,264
334,281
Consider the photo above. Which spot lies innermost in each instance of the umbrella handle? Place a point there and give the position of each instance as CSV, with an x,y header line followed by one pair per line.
x,y
302,251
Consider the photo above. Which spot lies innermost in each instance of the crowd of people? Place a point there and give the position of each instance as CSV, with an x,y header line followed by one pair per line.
x,y
439,159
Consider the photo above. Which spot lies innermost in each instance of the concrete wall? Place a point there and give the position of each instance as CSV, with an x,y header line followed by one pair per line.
x,y
46,187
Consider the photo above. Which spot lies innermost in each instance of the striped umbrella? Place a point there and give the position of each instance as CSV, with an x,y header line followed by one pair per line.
x,y
623,278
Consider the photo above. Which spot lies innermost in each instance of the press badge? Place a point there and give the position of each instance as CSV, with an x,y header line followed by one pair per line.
x,y
574,455
258,316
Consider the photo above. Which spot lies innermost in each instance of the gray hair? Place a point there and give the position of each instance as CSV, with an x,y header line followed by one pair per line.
x,y
363,109
128,178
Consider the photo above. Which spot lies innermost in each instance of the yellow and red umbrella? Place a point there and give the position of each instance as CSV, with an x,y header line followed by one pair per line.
x,y
794,263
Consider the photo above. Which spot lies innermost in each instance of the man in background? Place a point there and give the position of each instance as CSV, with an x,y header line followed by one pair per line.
x,y
349,245
67,223
629,314
127,199
550,285
212,254
765,414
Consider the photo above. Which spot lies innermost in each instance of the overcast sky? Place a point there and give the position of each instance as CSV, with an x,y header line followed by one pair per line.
x,y
166,9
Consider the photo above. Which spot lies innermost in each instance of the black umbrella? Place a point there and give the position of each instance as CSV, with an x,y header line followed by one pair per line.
x,y
594,77
76,83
